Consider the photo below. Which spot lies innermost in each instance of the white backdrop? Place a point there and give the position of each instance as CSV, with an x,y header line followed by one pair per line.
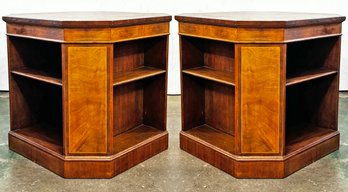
x,y
173,7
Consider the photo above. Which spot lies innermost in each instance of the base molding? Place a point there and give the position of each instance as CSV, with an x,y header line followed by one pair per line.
x,y
274,167
91,167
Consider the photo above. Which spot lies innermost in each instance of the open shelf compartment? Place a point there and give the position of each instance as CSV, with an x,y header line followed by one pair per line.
x,y
36,113
311,113
208,111
208,59
139,59
312,59
139,111
35,59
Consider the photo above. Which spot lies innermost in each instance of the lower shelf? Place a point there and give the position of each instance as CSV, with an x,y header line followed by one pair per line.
x,y
214,137
43,136
304,136
133,137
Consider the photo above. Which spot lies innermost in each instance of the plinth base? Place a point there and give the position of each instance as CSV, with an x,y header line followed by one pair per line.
x,y
88,166
270,167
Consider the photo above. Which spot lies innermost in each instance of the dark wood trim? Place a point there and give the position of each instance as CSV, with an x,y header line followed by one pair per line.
x,y
61,22
206,18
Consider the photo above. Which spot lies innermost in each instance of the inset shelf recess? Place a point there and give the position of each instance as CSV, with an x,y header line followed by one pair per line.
x,y
211,74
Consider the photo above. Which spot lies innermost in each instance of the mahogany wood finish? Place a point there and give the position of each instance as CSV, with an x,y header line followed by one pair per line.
x,y
259,90
88,90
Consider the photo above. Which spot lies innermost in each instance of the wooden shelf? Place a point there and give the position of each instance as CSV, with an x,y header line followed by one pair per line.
x,y
38,75
42,135
304,135
309,75
133,137
210,74
137,74
214,137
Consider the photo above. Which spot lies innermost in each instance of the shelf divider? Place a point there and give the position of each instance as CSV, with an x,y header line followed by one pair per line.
x,y
211,74
309,75
137,74
38,75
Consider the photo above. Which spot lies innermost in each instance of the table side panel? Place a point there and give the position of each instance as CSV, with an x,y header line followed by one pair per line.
x,y
86,98
260,99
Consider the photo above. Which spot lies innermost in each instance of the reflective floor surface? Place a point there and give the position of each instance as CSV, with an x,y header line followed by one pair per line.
x,y
173,170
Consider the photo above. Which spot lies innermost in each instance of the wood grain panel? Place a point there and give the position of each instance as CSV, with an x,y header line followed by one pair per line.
x,y
259,35
36,32
208,31
87,34
310,32
260,100
139,31
87,87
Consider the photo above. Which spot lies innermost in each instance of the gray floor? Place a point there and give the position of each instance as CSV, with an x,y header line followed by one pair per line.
x,y
173,170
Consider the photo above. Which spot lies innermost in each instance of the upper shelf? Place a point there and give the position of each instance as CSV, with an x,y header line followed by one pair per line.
x,y
309,75
137,74
213,75
38,75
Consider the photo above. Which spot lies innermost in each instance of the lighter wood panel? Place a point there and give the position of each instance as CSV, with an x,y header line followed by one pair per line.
x,y
260,35
208,31
87,34
87,99
260,100
139,31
